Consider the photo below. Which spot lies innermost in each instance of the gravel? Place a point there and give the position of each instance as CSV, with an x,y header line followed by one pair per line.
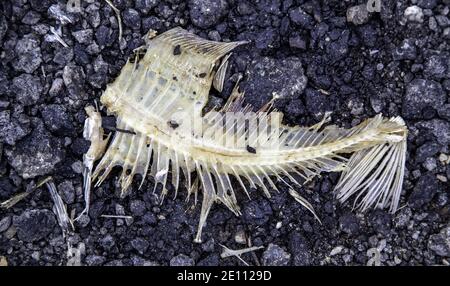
x,y
420,96
83,36
5,223
13,129
349,224
406,51
302,19
131,18
74,77
440,243
274,255
28,53
207,13
140,245
424,190
300,249
315,57
440,129
38,155
57,119
267,79
437,67
358,15
33,225
28,89
427,150
67,191
137,207
414,14
181,260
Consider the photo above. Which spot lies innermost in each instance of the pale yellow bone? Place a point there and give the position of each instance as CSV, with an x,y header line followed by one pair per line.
x,y
161,97
94,133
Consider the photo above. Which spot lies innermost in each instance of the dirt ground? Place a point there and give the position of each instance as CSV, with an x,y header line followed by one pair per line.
x,y
318,55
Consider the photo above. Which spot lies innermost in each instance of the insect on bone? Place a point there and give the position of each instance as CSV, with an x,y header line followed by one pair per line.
x,y
171,83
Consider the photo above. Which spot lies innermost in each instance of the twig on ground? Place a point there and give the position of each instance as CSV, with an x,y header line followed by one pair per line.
x,y
301,200
57,37
17,198
59,208
117,216
119,19
249,242
231,252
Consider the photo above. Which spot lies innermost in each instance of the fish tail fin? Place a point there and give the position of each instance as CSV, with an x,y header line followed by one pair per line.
x,y
374,176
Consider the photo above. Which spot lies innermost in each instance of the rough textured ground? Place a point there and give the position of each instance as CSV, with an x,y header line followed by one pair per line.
x,y
308,52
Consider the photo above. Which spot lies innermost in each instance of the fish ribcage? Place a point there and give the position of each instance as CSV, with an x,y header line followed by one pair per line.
x,y
158,100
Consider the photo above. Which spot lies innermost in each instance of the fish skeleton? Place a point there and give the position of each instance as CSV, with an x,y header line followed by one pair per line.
x,y
159,96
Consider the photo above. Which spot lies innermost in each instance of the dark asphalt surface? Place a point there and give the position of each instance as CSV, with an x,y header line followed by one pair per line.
x,y
317,56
